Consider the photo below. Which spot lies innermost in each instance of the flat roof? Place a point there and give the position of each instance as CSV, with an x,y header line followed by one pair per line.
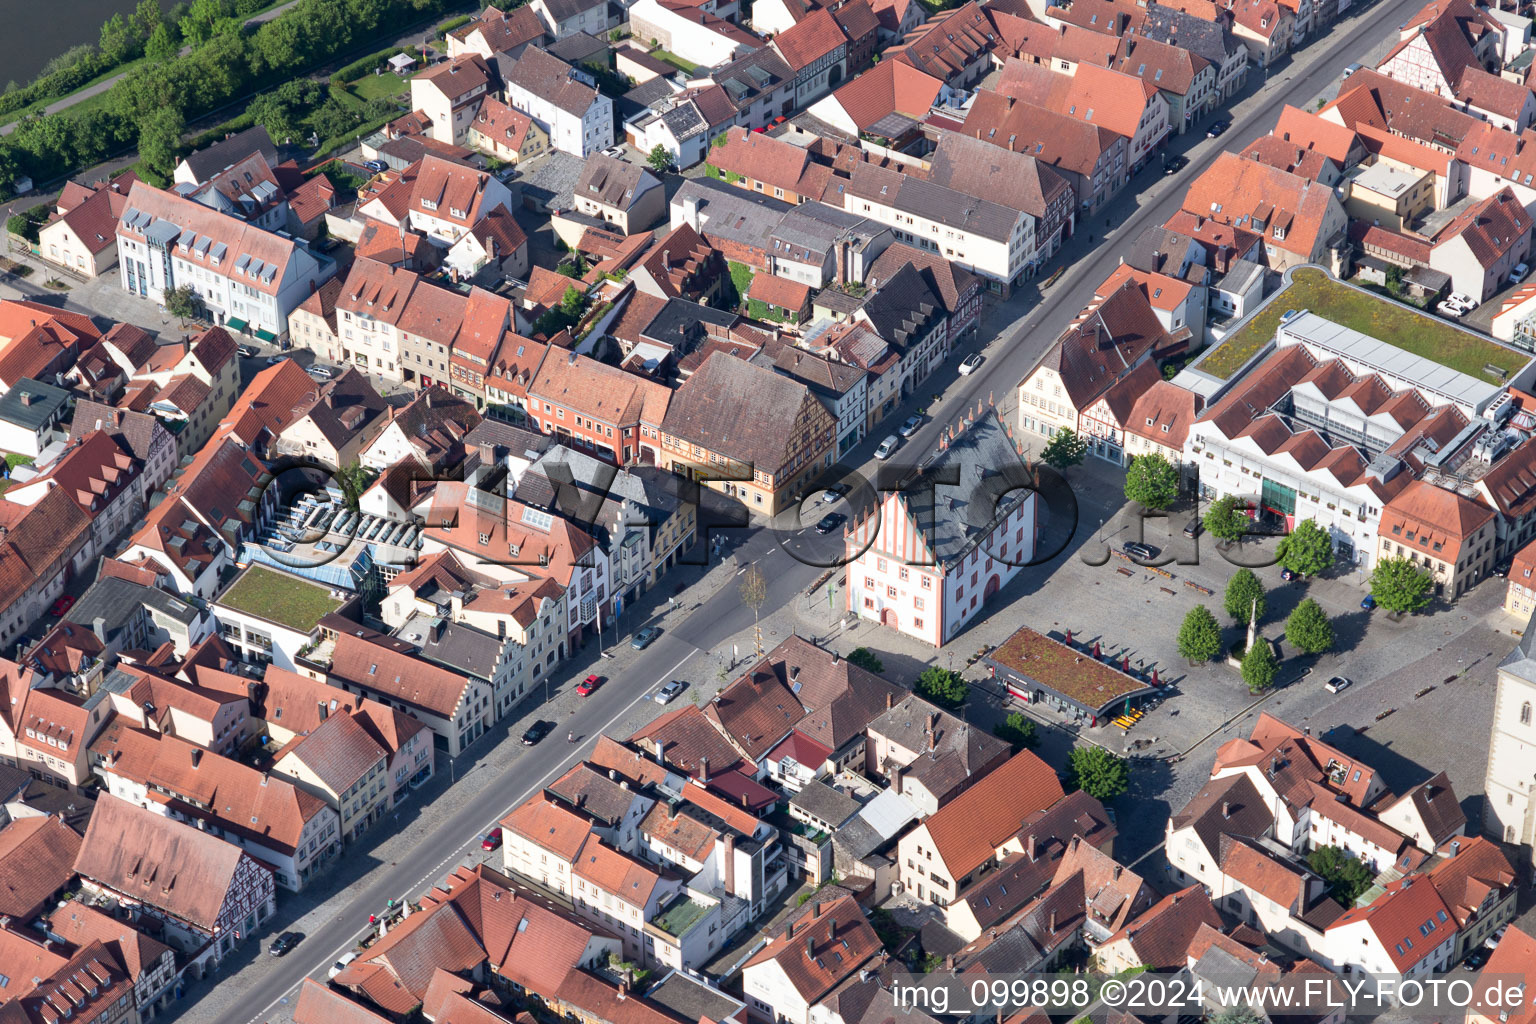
x,y
1386,179
1035,661
1388,359
279,598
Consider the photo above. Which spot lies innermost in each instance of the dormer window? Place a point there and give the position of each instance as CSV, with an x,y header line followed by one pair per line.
x,y
428,204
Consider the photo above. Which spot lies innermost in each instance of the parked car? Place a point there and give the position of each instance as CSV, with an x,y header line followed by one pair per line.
x,y
536,732
645,638
248,351
1449,310
969,364
588,686
274,360
491,840
1136,549
320,372
1351,70
1520,273
1175,164
910,426
1368,602
284,943
377,166
1193,528
669,691
834,492
1218,128
830,522
1475,960
1492,941
887,447
1463,300
1287,575
62,605
341,965
1336,684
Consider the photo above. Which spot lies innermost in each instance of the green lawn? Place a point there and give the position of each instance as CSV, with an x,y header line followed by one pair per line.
x,y
280,598
674,60
1313,289
741,279
371,87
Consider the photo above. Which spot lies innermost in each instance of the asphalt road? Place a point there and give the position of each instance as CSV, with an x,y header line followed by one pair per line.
x,y
1015,349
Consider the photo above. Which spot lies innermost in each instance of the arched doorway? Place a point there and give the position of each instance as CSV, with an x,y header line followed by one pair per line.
x,y
888,618
993,585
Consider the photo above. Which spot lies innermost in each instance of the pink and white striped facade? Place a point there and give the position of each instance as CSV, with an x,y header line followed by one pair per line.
x,y
928,580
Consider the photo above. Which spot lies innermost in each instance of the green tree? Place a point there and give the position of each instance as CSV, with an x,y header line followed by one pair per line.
x,y
659,158
1347,877
1017,730
1226,519
1152,482
943,687
1399,585
1065,448
1097,772
1260,666
1242,590
1200,635
1237,1015
572,302
1306,550
1308,629
117,42
146,18
185,302
753,589
354,479
161,45
332,120
160,141
866,659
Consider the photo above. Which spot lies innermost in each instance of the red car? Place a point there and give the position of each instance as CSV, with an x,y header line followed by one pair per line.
x,y
492,840
63,604
589,686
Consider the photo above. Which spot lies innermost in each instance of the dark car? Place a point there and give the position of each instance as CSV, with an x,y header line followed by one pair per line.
x,y
830,522
249,351
284,943
645,638
1218,129
1368,602
1175,164
1475,960
1287,575
589,686
536,732
1138,550
1193,529
377,166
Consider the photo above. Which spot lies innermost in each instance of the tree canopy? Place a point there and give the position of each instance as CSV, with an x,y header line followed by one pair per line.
x,y
1098,772
1399,585
1200,635
1306,550
1065,448
943,687
1226,519
1308,629
1242,590
1152,482
1260,666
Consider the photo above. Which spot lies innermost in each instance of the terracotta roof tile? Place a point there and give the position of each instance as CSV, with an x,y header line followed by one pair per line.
x,y
969,828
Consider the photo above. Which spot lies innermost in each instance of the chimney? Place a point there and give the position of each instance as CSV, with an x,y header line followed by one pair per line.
x,y
99,627
929,733
890,700
730,864
1053,922
660,748
704,770
789,930
197,756
831,932
897,776
324,711
1118,869
1032,850
1226,808
691,211
810,947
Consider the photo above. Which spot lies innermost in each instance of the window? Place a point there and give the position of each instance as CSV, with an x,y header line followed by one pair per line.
x,y
1525,713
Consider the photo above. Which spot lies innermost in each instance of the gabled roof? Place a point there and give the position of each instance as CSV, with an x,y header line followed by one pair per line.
x,y
37,859
810,39
1161,937
821,947
969,828
706,411
1409,919
1105,342
549,78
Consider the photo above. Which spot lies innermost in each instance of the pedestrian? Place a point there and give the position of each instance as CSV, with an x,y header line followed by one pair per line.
x,y
570,737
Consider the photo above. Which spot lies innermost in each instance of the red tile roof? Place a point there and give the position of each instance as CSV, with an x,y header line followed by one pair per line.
x,y
806,42
1399,918
968,829
822,947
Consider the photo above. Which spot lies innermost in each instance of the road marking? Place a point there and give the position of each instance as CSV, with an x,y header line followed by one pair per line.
x,y
436,872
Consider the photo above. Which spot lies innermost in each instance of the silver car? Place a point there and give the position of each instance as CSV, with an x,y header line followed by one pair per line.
x,y
668,693
888,447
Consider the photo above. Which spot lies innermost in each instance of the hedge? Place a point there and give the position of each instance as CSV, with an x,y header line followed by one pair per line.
x,y
358,68
453,23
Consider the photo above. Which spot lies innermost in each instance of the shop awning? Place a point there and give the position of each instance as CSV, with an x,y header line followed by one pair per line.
x,y
266,336
235,324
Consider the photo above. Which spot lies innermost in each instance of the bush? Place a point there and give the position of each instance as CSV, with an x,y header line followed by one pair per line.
x,y
1018,731
453,23
1097,772
942,687
866,659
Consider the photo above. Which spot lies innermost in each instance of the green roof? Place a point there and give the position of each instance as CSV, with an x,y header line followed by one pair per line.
x,y
1314,289
280,598
679,917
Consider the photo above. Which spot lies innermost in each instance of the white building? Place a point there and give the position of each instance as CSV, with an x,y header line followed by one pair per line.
x,y
563,100
247,277
927,561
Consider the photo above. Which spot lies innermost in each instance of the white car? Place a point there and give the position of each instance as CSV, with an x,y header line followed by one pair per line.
x,y
341,965
1519,274
1336,684
1462,299
969,363
1450,309
320,372
887,447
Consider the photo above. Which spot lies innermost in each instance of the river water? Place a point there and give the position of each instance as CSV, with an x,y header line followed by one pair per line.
x,y
36,31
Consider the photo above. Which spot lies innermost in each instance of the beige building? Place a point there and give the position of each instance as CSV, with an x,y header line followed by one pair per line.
x,y
82,234
506,134
450,94
1451,536
340,763
1390,194
1520,597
